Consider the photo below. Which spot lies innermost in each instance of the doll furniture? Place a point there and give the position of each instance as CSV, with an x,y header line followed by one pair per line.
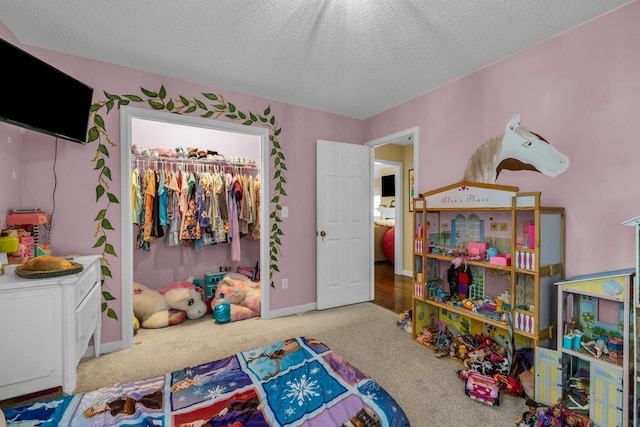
x,y
588,375
463,219
45,328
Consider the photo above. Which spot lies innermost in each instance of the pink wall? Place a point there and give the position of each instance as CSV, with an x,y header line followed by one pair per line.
x,y
579,90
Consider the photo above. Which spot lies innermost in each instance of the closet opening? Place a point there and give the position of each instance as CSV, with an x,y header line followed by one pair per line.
x,y
241,150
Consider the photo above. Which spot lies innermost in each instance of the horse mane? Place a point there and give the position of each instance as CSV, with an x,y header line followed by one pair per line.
x,y
482,165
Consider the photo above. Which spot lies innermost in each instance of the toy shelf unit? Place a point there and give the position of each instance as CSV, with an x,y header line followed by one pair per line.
x,y
635,307
594,350
484,254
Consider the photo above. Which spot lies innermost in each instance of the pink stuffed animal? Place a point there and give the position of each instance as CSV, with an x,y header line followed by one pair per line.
x,y
242,295
166,152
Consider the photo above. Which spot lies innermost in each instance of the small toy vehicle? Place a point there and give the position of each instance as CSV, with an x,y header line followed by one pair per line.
x,y
482,388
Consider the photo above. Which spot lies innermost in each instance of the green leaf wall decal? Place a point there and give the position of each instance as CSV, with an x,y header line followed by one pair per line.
x,y
179,105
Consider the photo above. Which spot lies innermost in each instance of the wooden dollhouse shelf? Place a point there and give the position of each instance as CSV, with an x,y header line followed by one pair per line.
x,y
585,355
483,264
462,215
464,312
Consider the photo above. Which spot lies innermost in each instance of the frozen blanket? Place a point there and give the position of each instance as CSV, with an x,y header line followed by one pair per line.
x,y
296,382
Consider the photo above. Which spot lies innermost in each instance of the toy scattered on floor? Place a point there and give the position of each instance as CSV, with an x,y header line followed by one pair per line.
x,y
169,306
404,320
136,324
557,415
426,336
482,388
554,416
529,418
241,293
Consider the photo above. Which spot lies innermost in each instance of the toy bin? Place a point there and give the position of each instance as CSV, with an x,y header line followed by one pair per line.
x,y
211,281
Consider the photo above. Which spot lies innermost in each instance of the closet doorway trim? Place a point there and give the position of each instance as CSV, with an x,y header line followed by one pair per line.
x,y
127,114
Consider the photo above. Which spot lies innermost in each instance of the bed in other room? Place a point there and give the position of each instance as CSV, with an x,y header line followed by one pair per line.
x,y
295,382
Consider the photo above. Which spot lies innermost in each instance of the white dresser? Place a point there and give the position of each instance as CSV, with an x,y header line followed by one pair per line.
x,y
45,327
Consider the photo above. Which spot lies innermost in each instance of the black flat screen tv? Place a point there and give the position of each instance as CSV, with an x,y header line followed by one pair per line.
x,y
388,183
37,96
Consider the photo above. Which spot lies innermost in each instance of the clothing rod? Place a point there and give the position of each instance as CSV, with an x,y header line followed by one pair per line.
x,y
175,160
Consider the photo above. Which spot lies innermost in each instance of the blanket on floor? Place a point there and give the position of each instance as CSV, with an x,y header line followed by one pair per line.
x,y
296,382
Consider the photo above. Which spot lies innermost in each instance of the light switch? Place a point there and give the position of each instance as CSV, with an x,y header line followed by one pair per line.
x,y
285,212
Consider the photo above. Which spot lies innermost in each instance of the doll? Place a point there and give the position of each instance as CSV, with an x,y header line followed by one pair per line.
x,y
529,418
554,416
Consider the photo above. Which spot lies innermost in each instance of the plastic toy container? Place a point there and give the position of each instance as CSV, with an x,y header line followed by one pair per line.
x,y
8,244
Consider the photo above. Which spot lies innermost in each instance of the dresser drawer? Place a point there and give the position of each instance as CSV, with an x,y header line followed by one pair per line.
x,y
87,319
90,276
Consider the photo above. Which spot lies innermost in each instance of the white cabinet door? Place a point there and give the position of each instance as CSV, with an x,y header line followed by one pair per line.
x,y
30,332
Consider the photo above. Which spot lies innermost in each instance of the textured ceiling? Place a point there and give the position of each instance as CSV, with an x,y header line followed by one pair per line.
x,y
355,58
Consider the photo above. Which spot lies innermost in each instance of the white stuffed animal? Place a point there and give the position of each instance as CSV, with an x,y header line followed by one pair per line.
x,y
168,306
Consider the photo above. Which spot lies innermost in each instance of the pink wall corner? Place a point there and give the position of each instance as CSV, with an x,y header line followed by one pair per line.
x,y
580,90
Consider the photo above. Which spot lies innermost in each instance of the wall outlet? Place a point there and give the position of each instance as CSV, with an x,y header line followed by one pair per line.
x,y
285,283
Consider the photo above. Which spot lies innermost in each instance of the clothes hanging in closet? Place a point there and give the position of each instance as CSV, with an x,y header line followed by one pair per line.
x,y
197,207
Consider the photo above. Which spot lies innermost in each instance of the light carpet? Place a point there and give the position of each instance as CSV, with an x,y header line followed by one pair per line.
x,y
427,388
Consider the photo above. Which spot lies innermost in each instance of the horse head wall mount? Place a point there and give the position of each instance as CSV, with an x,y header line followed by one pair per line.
x,y
517,149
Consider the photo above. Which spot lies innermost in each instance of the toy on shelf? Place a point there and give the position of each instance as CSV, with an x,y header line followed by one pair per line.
x,y
32,228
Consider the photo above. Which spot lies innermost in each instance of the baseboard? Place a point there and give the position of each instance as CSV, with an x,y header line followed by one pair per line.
x,y
112,347
299,309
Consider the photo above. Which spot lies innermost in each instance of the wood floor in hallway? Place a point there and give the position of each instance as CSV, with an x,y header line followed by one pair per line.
x,y
393,292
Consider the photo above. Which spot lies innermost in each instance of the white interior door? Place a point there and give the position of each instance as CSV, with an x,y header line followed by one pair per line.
x,y
343,220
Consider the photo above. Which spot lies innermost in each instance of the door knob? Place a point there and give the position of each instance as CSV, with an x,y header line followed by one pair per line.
x,y
322,234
